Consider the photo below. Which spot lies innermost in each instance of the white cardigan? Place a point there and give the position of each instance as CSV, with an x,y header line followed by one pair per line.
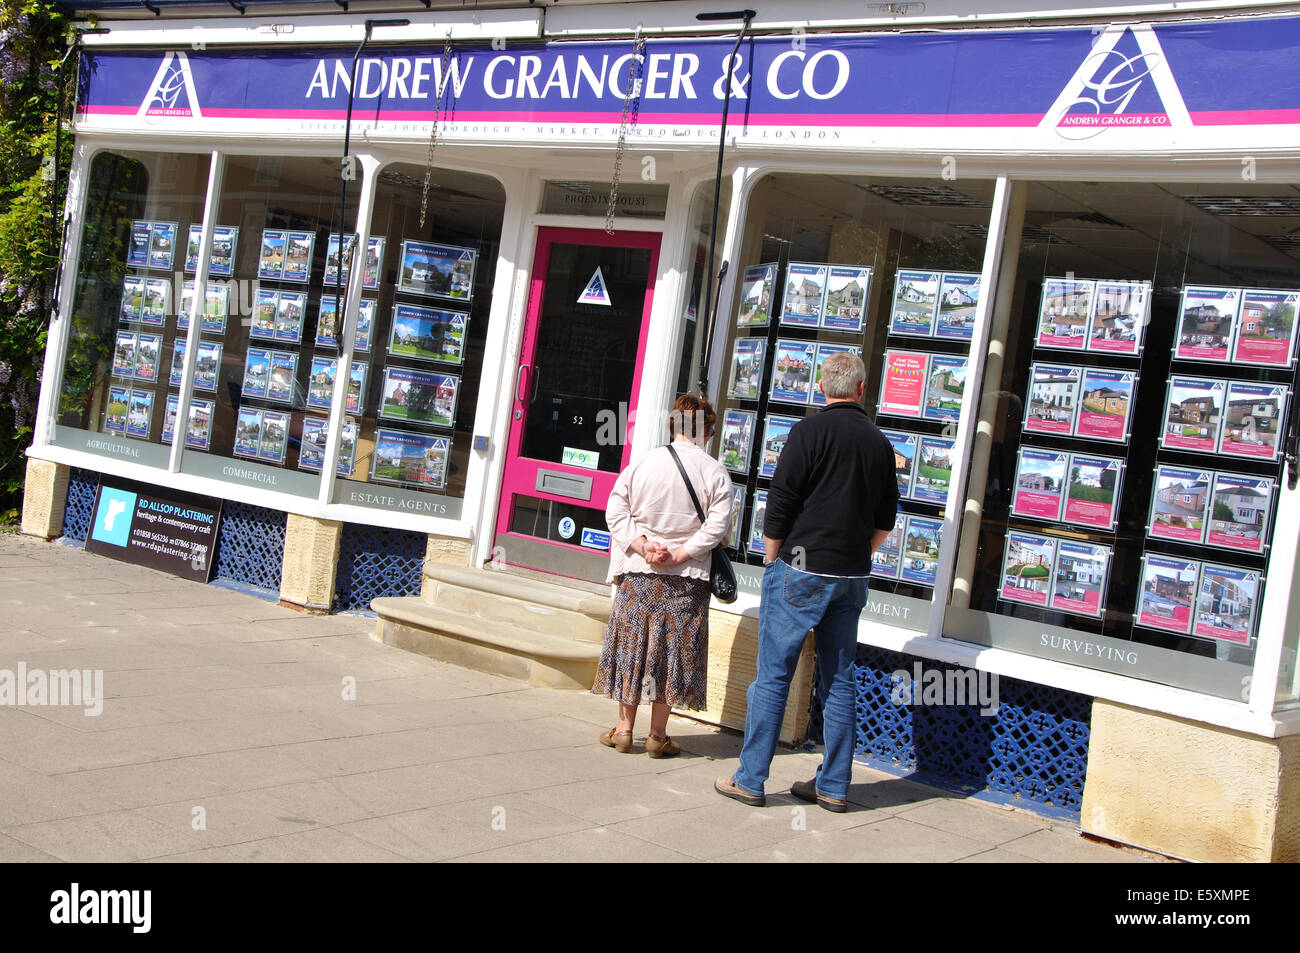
x,y
650,499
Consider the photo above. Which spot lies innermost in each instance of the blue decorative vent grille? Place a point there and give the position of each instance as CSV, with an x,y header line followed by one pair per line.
x,y
250,545
1033,751
82,485
374,562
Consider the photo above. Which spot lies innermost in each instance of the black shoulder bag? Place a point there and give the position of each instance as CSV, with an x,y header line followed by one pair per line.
x,y
722,578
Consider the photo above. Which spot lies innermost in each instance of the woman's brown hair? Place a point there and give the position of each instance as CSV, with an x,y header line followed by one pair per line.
x,y
691,415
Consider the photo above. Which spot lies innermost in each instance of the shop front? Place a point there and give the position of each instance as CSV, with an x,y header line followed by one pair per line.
x,y
1068,260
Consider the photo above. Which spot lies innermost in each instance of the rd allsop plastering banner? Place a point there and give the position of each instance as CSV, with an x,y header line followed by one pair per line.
x,y
150,526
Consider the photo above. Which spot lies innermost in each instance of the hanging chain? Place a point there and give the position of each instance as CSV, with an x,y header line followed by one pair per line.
x,y
633,85
433,130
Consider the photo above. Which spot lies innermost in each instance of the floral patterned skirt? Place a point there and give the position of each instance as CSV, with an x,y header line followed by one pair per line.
x,y
657,642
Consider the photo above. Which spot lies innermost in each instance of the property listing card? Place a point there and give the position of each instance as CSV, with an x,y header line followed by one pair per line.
x,y
1027,568
410,459
1206,320
1179,502
756,544
1239,511
1252,419
847,290
904,445
903,382
139,414
1266,331
921,550
747,368
775,433
756,289
1226,603
737,512
1040,484
422,397
1121,311
428,334
1053,394
137,249
959,297
805,293
1168,588
1105,402
916,295
792,371
945,387
886,561
735,439
1193,413
444,271
1063,313
1080,577
933,470
311,455
1092,491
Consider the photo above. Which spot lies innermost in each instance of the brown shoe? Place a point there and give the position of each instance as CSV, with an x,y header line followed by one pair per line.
x,y
667,748
727,788
807,791
618,740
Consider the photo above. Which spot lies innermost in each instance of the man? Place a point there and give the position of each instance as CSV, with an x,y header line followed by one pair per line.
x,y
831,504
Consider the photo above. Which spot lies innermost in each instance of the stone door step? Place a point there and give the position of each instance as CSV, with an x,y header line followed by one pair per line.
x,y
521,601
520,627
487,645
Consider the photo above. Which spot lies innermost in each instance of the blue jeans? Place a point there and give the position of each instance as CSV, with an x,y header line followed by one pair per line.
x,y
794,602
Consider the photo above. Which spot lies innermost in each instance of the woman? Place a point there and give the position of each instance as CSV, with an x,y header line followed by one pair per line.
x,y
658,634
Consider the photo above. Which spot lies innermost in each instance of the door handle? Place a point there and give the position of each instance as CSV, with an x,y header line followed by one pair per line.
x,y
521,378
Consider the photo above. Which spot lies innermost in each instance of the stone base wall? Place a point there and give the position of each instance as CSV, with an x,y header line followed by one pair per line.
x,y
45,494
311,555
1191,790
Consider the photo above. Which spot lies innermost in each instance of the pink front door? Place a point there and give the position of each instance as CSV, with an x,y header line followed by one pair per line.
x,y
574,393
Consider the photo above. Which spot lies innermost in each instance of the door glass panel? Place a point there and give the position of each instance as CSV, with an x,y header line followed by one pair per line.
x,y
586,355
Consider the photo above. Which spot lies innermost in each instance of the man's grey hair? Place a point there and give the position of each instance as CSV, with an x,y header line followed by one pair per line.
x,y
841,375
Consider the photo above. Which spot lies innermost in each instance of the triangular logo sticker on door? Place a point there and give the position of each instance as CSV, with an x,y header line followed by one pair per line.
x,y
595,292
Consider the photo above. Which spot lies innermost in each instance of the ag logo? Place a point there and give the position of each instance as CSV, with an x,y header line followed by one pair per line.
x,y
1124,80
172,92
568,527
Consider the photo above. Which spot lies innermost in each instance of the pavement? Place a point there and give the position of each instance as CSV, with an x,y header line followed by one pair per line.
x,y
235,730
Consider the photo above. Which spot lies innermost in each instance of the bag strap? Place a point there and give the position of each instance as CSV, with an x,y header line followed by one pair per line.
x,y
689,489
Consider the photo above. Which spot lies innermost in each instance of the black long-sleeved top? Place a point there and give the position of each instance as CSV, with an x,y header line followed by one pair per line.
x,y
834,487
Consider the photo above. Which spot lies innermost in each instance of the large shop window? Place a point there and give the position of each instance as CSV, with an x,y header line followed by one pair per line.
x,y
888,268
140,208
268,282
1137,398
428,272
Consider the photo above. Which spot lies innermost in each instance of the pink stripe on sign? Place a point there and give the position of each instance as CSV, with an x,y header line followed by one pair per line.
x,y
799,121
1247,117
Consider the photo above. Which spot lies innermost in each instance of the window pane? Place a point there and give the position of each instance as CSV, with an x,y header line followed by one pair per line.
x,y
260,316
419,350
1128,486
114,395
887,267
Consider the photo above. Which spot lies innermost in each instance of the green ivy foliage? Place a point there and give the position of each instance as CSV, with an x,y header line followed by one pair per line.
x,y
32,42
